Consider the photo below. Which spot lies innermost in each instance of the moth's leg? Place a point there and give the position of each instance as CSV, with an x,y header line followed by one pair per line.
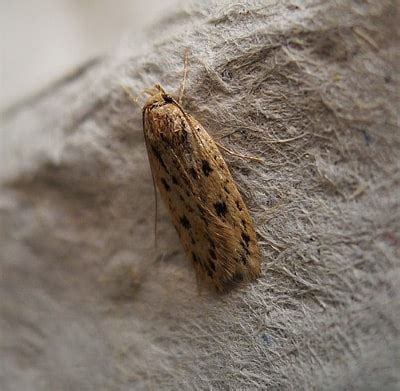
x,y
233,153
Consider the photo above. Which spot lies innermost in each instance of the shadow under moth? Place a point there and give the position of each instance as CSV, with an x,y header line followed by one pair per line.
x,y
206,208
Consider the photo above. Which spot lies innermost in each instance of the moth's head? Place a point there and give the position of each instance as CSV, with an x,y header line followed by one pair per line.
x,y
157,96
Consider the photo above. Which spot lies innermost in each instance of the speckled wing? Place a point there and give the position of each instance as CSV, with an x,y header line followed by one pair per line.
x,y
206,208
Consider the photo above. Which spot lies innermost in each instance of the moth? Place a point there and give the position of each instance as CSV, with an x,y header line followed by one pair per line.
x,y
206,208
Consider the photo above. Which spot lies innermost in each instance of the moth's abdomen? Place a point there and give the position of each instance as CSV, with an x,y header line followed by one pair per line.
x,y
206,208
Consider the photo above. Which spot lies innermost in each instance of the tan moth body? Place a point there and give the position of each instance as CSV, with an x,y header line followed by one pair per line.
x,y
206,208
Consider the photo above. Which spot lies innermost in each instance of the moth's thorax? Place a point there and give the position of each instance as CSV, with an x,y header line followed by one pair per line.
x,y
156,99
164,118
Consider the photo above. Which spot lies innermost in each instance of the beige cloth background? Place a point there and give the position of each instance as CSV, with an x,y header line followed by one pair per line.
x,y
40,42
89,303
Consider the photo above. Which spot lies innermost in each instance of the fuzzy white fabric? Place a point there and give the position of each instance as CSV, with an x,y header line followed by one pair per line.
x,y
87,302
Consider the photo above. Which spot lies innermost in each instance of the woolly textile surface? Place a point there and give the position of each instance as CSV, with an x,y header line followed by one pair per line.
x,y
88,302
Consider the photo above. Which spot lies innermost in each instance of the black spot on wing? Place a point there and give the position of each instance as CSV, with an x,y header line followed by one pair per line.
x,y
205,166
165,184
212,243
185,222
246,238
158,156
208,267
245,242
239,206
209,271
194,257
193,173
212,254
220,208
212,265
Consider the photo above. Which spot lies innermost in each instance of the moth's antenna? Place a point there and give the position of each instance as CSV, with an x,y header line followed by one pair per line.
x,y
185,72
